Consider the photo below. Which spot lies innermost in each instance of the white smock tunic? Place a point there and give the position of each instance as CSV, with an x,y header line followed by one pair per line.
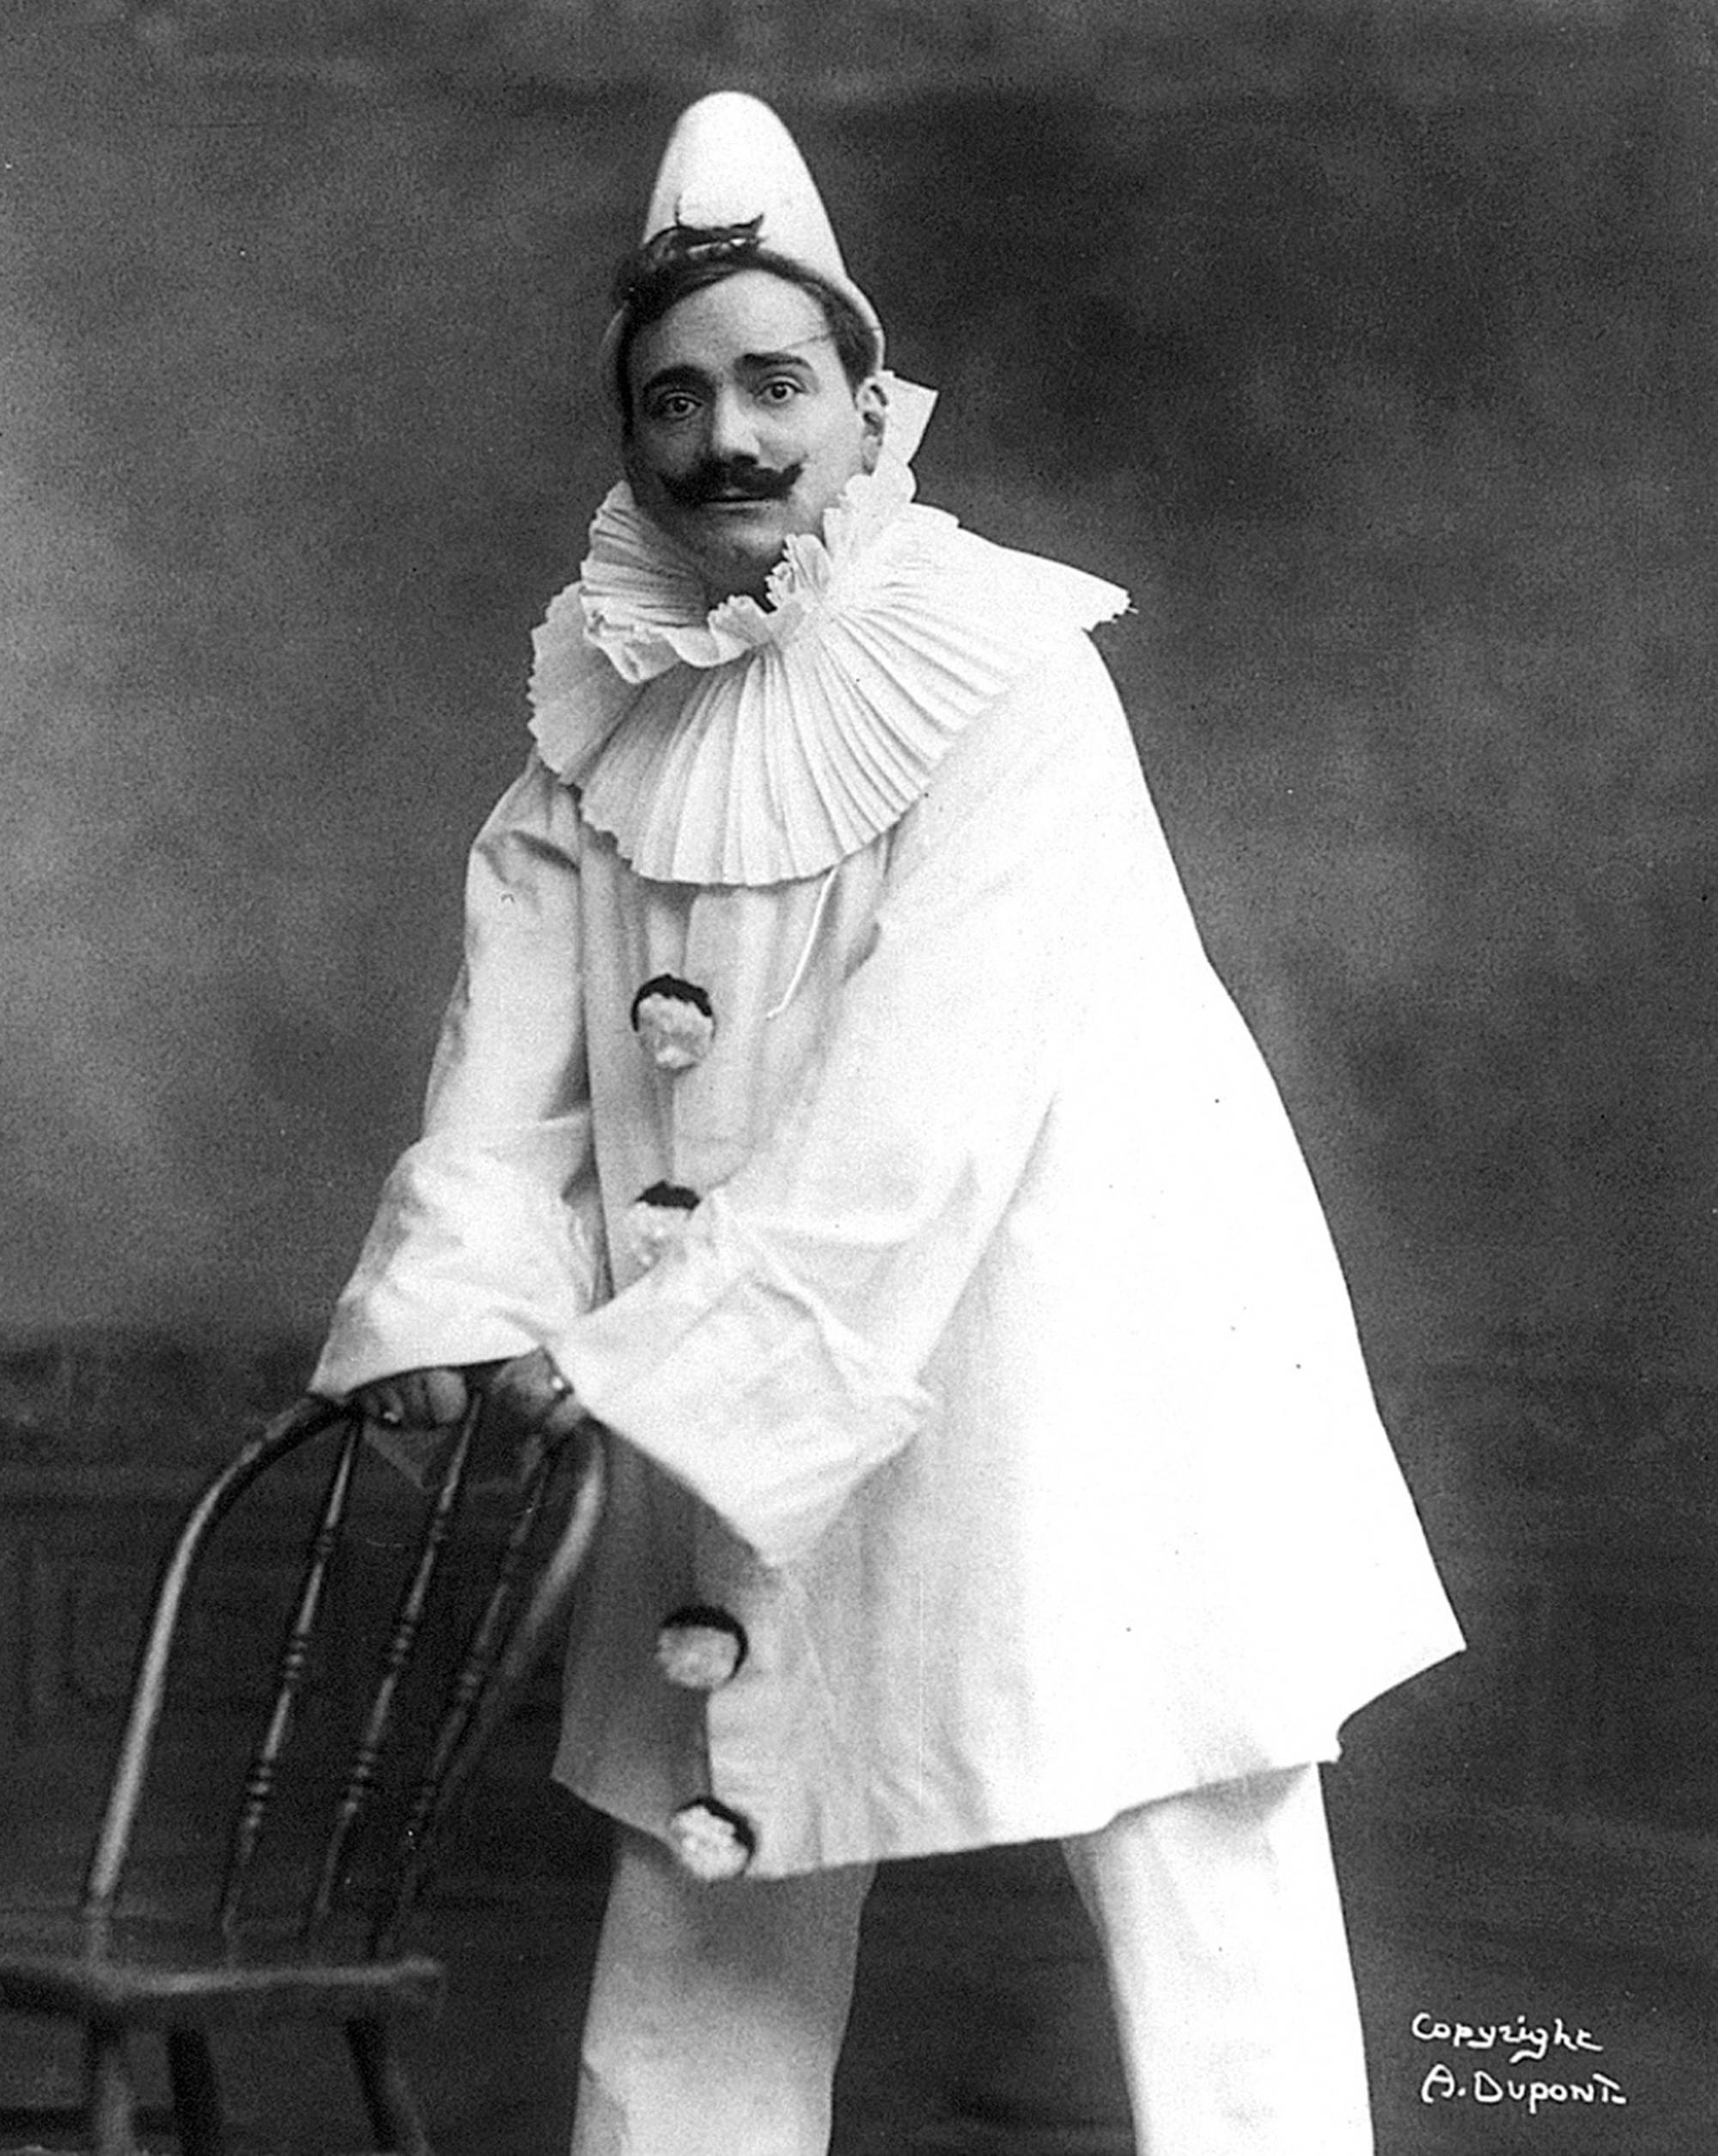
x,y
980,1346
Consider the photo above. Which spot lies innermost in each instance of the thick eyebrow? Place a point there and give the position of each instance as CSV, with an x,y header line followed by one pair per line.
x,y
748,363
766,363
674,378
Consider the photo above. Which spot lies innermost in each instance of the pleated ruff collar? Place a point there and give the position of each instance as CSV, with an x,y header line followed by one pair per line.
x,y
758,743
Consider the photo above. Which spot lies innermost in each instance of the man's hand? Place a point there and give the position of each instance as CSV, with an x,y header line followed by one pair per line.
x,y
526,1400
530,1396
415,1399
531,1403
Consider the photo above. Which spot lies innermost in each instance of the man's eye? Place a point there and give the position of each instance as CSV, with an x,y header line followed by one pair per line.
x,y
678,407
780,391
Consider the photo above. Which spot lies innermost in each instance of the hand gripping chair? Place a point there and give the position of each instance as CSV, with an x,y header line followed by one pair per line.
x,y
283,1940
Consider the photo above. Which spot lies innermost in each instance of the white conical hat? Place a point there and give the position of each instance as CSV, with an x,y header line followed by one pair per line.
x,y
729,161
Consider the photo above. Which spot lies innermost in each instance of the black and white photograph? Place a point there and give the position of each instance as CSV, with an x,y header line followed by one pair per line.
x,y
859,1077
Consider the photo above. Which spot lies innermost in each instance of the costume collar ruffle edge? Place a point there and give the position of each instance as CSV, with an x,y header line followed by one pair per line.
x,y
755,745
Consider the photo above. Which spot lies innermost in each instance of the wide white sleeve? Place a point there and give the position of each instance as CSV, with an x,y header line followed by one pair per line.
x,y
773,1358
488,1233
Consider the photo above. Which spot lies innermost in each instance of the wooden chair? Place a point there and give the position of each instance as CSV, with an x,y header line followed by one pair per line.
x,y
310,1926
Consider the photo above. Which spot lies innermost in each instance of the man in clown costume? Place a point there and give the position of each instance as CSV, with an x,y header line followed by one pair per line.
x,y
837,1111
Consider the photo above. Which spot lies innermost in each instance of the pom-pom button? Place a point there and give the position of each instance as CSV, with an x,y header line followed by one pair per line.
x,y
700,1647
656,1220
711,1840
674,1021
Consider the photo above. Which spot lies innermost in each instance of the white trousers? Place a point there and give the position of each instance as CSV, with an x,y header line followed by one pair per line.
x,y
717,2012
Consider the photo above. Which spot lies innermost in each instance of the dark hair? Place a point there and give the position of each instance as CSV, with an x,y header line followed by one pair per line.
x,y
688,259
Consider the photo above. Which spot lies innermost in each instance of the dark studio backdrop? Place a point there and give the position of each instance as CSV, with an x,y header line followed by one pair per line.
x,y
1374,347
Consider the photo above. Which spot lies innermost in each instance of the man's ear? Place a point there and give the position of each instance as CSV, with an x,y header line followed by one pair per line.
x,y
872,400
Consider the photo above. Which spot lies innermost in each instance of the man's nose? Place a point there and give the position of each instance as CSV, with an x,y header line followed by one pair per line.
x,y
733,428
